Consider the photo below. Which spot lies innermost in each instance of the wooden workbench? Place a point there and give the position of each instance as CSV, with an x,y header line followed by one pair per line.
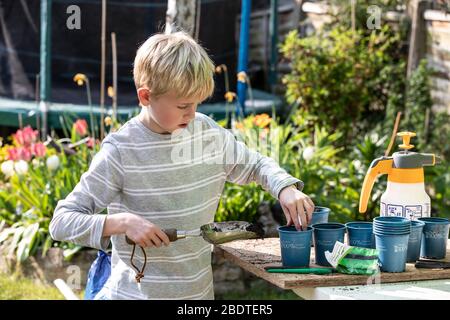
x,y
254,255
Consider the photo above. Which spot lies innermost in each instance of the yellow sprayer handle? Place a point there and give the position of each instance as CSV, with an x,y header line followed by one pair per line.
x,y
377,167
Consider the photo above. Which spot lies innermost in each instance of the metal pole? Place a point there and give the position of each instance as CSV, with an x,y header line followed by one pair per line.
x,y
243,50
273,44
45,63
102,72
114,65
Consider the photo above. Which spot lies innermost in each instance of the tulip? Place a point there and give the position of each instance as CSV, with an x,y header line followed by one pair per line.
x,y
38,149
21,167
262,120
7,168
35,162
81,127
26,136
52,163
308,153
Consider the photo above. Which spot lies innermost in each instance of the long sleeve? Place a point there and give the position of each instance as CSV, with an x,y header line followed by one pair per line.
x,y
76,218
250,166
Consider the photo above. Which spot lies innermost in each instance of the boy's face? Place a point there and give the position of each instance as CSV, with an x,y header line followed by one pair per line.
x,y
166,113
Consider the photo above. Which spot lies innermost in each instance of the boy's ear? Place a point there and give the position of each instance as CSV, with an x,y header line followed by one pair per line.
x,y
144,96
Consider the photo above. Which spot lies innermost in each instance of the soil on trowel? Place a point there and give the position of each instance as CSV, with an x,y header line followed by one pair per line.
x,y
238,226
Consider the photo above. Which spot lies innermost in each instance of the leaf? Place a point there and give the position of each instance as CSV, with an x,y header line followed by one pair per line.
x,y
47,245
24,247
69,253
5,234
16,238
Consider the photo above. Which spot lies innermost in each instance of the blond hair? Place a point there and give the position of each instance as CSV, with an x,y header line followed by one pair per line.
x,y
174,62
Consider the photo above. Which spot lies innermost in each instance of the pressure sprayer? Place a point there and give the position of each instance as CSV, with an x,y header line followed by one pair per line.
x,y
405,195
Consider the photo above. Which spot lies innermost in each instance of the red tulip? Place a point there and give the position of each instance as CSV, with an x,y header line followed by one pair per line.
x,y
81,127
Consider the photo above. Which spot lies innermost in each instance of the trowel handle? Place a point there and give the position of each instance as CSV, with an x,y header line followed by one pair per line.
x,y
377,167
171,233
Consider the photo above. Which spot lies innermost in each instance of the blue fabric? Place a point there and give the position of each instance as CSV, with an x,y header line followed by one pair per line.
x,y
99,273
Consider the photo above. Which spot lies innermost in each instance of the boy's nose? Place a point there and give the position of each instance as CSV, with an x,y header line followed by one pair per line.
x,y
191,114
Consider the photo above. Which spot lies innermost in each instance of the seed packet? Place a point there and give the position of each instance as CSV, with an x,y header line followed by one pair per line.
x,y
353,260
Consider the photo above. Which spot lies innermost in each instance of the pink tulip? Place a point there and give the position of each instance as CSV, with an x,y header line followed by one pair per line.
x,y
24,153
13,154
26,136
81,127
19,153
38,149
90,143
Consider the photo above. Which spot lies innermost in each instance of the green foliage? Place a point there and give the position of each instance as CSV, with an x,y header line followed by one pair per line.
x,y
335,74
432,126
27,201
241,202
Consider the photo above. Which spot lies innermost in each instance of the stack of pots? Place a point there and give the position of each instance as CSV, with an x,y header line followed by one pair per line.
x,y
391,239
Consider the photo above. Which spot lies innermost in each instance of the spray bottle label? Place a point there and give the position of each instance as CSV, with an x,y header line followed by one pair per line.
x,y
410,211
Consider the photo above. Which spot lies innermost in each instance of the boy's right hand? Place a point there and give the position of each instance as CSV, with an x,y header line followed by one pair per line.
x,y
143,232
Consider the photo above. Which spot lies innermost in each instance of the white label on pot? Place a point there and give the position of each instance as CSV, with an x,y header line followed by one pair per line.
x,y
400,248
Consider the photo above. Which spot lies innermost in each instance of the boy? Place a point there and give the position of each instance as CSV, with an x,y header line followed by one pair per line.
x,y
135,177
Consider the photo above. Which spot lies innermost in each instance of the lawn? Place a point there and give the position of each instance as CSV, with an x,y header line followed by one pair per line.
x,y
20,288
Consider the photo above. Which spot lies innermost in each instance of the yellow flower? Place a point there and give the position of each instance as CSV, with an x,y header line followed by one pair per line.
x,y
108,121
262,120
80,79
110,92
229,96
242,76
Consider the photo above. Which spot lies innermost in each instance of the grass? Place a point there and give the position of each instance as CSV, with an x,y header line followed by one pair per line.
x,y
19,288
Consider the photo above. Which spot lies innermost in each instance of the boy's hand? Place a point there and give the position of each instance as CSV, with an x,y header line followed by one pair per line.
x,y
296,206
143,232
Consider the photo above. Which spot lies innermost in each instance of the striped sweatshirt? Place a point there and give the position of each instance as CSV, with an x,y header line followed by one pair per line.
x,y
174,181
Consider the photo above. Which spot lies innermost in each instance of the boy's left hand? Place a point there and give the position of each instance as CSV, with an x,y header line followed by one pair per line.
x,y
297,207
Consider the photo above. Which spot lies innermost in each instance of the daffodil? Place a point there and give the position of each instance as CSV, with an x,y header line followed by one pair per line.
x,y
80,78
108,121
242,77
221,68
229,96
110,92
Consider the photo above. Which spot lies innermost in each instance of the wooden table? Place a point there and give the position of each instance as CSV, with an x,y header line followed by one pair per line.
x,y
254,255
